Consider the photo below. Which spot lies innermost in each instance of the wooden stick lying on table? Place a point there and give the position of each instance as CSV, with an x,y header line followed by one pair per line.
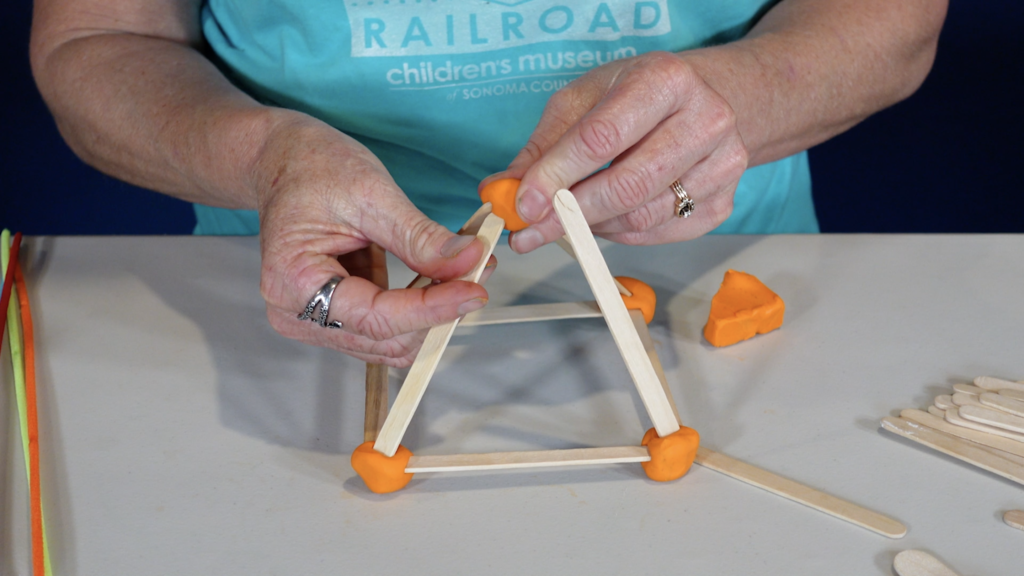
x,y
433,347
1014,518
1004,403
831,505
955,447
991,440
1015,394
961,399
920,563
534,459
953,417
968,389
532,313
937,412
983,415
990,383
628,341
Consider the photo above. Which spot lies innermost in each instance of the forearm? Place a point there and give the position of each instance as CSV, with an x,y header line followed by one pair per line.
x,y
811,69
154,112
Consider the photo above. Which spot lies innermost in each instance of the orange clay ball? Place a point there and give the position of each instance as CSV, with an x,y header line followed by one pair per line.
x,y
671,456
643,298
380,473
502,196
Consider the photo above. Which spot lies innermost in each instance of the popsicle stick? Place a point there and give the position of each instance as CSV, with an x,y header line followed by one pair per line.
x,y
1015,394
645,337
628,341
471,227
936,411
968,389
920,563
1014,518
534,459
532,313
564,243
997,442
953,417
992,383
433,347
376,408
955,447
944,401
789,489
961,400
983,415
1004,403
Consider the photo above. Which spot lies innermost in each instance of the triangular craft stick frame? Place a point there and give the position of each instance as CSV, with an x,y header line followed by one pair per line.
x,y
628,329
667,450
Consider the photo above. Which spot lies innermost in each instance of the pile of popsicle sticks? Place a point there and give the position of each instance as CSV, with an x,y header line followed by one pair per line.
x,y
982,424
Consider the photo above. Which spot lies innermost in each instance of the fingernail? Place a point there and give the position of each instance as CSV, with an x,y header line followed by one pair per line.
x,y
533,205
527,240
472,306
456,244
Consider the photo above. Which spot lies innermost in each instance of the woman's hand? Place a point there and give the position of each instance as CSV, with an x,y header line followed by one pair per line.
x,y
656,120
324,200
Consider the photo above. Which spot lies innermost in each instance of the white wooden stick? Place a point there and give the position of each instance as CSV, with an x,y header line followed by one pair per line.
x,y
1015,394
600,279
471,227
944,401
968,389
1004,445
645,337
955,447
961,399
1004,403
423,367
1014,518
534,459
936,411
920,563
789,489
953,417
983,415
564,243
532,313
991,383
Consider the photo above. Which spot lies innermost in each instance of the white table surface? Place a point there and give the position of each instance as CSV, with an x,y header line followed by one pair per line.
x,y
181,435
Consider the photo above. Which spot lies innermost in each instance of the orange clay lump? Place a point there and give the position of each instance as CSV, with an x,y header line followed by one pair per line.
x,y
671,456
643,298
502,196
742,308
380,473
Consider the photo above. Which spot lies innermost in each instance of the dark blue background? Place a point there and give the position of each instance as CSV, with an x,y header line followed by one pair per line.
x,y
945,160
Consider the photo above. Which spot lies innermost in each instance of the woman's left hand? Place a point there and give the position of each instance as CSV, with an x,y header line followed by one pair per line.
x,y
655,120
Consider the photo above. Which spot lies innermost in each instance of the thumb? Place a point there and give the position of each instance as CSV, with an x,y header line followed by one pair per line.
x,y
425,246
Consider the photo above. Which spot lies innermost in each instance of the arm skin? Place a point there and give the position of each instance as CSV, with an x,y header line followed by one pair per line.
x,y
134,97
807,71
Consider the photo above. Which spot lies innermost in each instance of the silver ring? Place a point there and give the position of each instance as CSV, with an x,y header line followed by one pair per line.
x,y
322,299
684,204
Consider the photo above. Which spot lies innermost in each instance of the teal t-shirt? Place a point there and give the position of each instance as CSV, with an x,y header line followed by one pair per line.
x,y
446,92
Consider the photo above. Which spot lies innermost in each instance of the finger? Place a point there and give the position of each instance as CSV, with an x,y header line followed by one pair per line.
x,y
637,102
393,222
397,352
715,175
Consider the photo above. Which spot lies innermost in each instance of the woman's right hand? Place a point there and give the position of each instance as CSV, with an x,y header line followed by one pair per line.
x,y
323,200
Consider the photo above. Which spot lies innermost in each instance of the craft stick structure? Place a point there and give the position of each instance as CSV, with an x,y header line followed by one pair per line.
x,y
666,451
